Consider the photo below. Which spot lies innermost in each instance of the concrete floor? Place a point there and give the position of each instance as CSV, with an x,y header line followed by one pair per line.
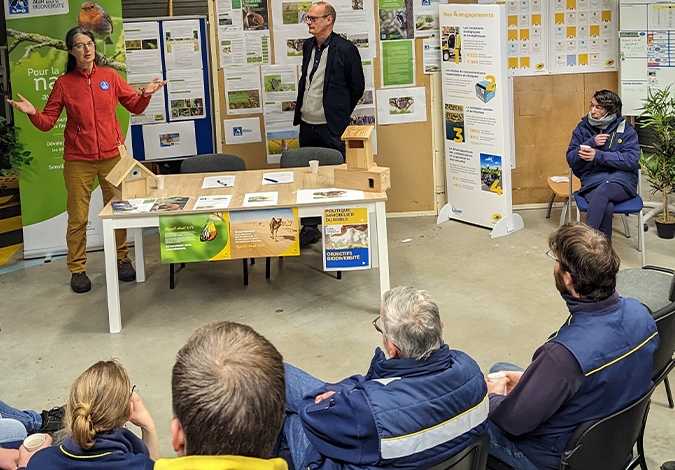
x,y
497,299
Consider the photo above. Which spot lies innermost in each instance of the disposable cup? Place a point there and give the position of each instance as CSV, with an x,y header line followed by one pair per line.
x,y
34,441
314,166
160,181
496,377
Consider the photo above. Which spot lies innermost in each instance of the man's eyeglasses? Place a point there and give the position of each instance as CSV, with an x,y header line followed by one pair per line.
x,y
377,327
81,45
312,19
551,255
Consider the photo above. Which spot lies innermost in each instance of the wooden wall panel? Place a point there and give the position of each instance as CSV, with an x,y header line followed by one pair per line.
x,y
408,150
546,111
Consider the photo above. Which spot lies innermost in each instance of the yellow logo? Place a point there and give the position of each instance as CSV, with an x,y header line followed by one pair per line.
x,y
609,62
496,217
539,66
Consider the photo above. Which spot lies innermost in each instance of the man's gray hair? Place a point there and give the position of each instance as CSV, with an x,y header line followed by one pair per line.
x,y
410,320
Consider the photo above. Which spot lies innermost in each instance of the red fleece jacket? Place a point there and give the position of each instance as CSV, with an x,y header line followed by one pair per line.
x,y
90,98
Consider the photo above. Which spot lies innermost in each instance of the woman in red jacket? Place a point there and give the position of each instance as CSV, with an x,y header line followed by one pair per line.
x,y
92,137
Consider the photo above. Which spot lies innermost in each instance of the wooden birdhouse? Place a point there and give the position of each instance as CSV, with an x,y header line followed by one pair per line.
x,y
130,178
359,147
360,172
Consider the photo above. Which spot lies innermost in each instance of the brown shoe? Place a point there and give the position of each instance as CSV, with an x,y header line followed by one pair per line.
x,y
80,283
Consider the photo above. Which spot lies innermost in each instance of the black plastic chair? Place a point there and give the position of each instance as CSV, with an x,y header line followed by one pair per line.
x,y
608,443
472,457
300,157
294,158
655,288
210,163
663,357
605,444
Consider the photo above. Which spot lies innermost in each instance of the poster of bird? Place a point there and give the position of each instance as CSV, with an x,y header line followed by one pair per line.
x,y
396,20
36,38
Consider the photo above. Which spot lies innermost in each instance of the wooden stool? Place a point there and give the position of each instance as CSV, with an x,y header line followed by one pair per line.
x,y
562,189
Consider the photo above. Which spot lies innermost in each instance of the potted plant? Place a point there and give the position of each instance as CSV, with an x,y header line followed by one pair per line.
x,y
12,155
658,114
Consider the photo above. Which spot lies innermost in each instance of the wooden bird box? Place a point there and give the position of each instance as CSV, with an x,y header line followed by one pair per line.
x,y
130,178
359,147
377,179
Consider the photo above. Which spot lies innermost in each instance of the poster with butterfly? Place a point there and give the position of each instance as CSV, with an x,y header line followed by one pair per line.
x,y
194,237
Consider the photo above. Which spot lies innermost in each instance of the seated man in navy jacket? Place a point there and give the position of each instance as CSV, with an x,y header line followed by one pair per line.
x,y
599,361
415,409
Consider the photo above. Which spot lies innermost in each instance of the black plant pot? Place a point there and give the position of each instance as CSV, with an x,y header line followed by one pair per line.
x,y
664,230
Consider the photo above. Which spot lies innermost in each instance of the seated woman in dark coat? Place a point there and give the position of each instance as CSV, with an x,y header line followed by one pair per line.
x,y
604,154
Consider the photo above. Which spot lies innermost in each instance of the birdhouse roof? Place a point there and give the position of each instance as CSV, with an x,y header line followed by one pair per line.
x,y
123,168
358,132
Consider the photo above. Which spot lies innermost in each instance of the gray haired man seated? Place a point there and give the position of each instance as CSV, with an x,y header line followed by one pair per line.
x,y
419,403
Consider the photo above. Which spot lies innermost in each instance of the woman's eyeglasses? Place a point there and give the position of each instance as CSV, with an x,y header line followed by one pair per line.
x,y
81,45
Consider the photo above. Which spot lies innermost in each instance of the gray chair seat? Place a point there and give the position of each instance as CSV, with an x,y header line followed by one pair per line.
x,y
650,286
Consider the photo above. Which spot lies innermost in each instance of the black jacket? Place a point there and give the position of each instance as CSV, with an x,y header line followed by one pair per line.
x,y
343,83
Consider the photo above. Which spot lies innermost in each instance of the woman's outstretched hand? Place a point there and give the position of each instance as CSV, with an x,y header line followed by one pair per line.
x,y
155,85
24,105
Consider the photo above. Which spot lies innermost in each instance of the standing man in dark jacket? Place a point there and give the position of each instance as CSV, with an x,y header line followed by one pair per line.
x,y
418,405
331,82
599,361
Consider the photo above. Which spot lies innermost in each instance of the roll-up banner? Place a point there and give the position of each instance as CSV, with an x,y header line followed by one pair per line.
x,y
36,32
477,110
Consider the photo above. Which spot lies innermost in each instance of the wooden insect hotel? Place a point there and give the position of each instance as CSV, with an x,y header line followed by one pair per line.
x,y
130,178
360,172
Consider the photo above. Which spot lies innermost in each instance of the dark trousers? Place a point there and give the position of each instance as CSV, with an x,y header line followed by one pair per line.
x,y
319,135
601,201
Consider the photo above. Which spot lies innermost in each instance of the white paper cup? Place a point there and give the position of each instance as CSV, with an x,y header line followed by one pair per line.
x,y
496,377
585,147
34,441
160,181
314,166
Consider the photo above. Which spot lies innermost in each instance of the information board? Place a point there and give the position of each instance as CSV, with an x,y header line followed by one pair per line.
x,y
647,55
179,120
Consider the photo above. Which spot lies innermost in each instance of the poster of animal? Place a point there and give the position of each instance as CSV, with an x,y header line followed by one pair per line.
x,y
262,233
255,15
396,19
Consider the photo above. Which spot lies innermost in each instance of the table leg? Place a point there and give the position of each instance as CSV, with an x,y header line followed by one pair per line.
x,y
382,246
374,246
112,283
139,255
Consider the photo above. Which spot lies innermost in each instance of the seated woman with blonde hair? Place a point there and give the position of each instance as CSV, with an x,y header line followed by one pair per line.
x,y
101,401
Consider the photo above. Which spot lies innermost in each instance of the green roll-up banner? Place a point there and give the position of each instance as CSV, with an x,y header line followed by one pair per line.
x,y
36,31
